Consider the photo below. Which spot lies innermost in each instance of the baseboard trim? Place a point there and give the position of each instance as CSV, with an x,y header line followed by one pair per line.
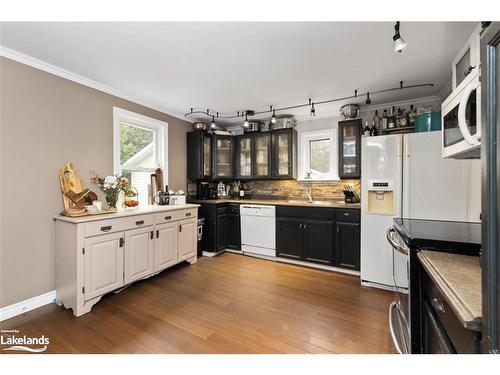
x,y
317,266
22,307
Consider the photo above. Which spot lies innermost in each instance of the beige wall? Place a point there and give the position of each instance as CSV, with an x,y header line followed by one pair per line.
x,y
47,121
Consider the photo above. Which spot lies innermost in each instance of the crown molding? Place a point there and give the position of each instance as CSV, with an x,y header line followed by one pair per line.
x,y
66,74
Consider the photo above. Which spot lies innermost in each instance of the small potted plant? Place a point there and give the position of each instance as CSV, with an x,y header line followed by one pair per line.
x,y
112,186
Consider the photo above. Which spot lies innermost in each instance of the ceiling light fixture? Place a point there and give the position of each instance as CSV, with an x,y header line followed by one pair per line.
x,y
213,125
399,43
272,111
273,119
368,100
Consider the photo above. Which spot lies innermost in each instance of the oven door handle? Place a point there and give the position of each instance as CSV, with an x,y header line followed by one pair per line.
x,y
473,140
390,237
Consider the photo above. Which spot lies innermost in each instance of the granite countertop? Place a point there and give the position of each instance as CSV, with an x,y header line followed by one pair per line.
x,y
281,202
141,210
458,278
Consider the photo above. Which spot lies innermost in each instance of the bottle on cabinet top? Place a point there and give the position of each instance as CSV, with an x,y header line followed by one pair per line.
x,y
376,120
366,129
384,121
391,122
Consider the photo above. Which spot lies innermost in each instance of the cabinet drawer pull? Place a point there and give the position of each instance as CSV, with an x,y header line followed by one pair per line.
x,y
157,233
188,213
152,235
107,228
139,222
168,217
347,214
180,228
438,305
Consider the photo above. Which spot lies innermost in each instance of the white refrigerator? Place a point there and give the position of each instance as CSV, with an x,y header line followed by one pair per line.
x,y
405,176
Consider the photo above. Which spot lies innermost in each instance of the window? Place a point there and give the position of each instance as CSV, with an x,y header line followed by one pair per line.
x,y
139,144
317,156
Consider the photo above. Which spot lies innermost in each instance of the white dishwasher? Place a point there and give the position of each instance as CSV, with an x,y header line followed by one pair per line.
x,y
258,230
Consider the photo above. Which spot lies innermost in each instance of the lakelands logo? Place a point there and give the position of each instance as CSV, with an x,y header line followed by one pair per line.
x,y
24,343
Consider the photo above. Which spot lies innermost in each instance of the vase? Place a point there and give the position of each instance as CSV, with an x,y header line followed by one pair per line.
x,y
112,199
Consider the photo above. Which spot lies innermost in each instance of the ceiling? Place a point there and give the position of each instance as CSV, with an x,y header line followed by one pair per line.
x,y
229,67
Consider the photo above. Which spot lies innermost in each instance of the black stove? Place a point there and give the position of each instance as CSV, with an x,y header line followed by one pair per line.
x,y
451,236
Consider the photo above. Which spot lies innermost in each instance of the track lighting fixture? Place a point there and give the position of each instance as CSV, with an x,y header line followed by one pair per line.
x,y
399,43
213,125
309,104
273,119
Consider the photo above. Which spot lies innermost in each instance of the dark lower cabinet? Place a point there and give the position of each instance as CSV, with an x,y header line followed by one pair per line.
x,y
347,245
233,227
221,228
317,241
289,238
325,236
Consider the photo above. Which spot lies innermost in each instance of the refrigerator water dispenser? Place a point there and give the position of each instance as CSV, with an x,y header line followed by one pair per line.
x,y
380,197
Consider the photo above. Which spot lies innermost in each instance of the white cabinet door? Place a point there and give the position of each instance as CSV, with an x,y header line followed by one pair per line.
x,y
103,264
165,252
187,239
138,253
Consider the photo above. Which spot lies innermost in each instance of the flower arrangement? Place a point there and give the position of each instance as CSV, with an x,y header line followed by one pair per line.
x,y
112,186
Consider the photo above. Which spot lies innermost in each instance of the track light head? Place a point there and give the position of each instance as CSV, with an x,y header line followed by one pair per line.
x,y
213,125
313,110
246,124
273,119
399,42
368,100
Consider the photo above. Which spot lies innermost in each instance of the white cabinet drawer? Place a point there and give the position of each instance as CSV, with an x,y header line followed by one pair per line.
x,y
102,227
169,216
135,222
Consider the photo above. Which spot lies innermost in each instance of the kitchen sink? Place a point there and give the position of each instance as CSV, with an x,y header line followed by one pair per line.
x,y
325,203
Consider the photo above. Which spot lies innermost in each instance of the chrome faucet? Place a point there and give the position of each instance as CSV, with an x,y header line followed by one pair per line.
x,y
309,194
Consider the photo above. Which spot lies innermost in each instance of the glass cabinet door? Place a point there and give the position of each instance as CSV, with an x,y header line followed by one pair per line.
x,y
244,157
262,148
282,144
207,156
349,136
223,156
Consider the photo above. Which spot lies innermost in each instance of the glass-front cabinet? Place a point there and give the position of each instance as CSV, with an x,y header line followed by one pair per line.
x,y
223,157
262,155
199,155
350,148
284,153
244,162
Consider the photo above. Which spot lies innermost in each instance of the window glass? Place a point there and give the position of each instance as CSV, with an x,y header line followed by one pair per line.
x,y
319,155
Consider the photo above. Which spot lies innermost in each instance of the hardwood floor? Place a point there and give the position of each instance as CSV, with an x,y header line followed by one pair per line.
x,y
227,304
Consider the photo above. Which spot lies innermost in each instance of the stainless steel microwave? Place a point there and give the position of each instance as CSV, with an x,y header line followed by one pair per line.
x,y
461,122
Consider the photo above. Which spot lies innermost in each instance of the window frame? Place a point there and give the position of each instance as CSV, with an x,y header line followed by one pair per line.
x,y
305,137
135,119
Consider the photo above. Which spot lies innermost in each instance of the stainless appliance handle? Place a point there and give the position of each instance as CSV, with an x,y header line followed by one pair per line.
x,y
393,306
390,237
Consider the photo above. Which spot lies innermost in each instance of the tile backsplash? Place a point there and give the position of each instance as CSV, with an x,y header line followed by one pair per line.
x,y
292,189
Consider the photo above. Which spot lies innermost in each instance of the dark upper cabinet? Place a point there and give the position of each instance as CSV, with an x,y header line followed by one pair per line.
x,y
262,155
244,163
347,245
233,227
284,153
221,228
350,148
199,155
223,152
289,238
253,156
318,241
